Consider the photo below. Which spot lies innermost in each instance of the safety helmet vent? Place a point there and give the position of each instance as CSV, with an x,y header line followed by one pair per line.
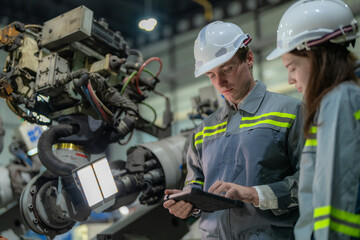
x,y
221,52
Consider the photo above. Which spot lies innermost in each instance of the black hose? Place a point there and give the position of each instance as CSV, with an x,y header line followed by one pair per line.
x,y
46,155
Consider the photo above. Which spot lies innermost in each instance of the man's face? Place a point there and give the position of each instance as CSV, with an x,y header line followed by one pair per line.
x,y
299,70
233,79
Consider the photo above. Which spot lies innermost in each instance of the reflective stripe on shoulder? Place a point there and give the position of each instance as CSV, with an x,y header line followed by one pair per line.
x,y
278,119
209,131
357,115
312,141
337,220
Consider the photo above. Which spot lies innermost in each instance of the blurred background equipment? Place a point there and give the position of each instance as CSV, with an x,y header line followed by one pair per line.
x,y
205,103
2,133
14,176
81,81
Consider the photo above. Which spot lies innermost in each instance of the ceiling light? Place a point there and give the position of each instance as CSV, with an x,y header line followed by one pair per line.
x,y
148,24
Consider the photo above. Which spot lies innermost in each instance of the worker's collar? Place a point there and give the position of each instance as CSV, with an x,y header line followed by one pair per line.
x,y
252,101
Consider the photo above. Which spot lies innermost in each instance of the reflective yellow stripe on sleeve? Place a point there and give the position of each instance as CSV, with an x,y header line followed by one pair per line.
x,y
312,141
337,220
198,142
322,224
209,131
322,211
195,181
313,130
209,128
357,115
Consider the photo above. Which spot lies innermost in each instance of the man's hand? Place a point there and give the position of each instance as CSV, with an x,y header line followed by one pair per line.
x,y
236,192
180,209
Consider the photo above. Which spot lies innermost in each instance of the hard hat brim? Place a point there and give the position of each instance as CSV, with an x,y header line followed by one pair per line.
x,y
277,52
214,63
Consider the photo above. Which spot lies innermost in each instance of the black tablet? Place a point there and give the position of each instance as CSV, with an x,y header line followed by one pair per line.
x,y
205,201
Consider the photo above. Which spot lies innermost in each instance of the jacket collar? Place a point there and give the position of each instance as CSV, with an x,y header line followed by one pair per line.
x,y
252,101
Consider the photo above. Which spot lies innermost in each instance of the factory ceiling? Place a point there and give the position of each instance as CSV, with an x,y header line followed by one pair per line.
x,y
173,17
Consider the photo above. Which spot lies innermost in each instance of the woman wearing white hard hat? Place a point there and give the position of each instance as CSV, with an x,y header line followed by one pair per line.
x,y
313,39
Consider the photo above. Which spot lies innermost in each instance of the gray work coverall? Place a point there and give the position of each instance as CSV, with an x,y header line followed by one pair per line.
x,y
259,144
330,169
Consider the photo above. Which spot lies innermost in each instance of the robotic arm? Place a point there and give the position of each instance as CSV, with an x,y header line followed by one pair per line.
x,y
79,78
51,206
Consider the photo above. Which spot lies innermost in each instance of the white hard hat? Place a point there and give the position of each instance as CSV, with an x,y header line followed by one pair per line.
x,y
307,23
216,44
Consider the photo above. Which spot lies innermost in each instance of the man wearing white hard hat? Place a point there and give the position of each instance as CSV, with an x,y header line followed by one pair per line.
x,y
248,149
313,39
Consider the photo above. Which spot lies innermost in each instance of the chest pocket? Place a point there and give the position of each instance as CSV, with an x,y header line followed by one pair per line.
x,y
266,134
261,156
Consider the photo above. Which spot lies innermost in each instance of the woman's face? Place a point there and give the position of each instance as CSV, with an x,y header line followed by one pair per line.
x,y
299,68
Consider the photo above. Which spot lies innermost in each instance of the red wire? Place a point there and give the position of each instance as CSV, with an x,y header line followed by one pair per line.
x,y
142,67
98,106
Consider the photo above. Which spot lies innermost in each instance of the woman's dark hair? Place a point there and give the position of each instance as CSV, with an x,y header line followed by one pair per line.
x,y
331,65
